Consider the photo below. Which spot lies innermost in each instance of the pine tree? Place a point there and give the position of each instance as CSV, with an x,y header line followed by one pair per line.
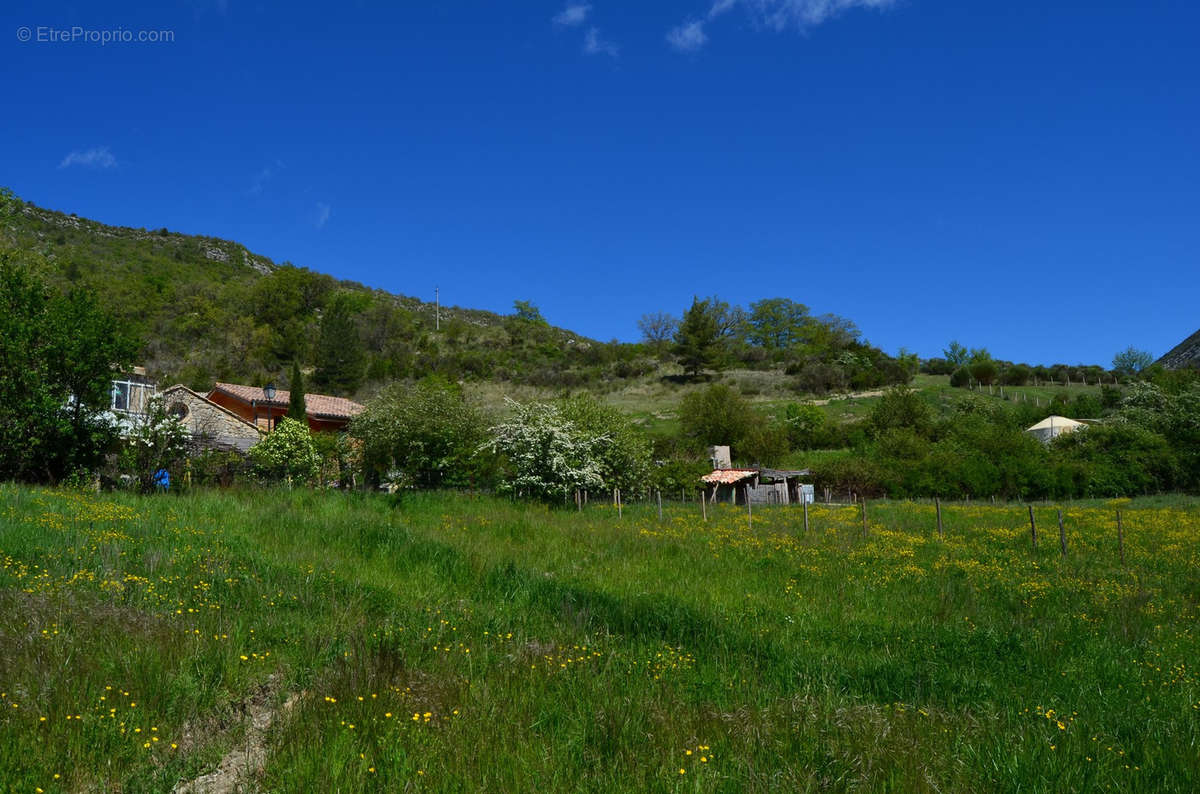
x,y
296,408
698,341
341,355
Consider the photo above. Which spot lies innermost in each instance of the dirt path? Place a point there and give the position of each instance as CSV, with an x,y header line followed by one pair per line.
x,y
854,396
242,764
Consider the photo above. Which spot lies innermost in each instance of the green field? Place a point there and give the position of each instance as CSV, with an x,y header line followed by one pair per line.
x,y
451,643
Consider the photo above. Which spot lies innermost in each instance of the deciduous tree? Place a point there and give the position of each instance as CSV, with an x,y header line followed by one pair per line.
x,y
58,357
1132,361
777,323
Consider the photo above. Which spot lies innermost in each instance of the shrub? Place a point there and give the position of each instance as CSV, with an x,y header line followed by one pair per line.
x,y
715,415
961,378
1118,460
545,456
623,452
901,406
937,366
287,454
218,468
765,443
157,441
843,475
984,371
429,431
1017,375
676,476
805,425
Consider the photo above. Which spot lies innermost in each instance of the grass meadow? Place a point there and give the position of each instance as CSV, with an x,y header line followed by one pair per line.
x,y
458,643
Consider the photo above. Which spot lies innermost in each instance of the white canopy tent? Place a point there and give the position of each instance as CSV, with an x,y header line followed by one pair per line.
x,y
1052,427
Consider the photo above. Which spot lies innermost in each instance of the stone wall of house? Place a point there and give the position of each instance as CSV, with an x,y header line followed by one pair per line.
x,y
208,423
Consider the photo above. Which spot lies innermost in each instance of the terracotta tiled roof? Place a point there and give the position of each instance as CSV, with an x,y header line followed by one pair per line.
x,y
728,476
318,405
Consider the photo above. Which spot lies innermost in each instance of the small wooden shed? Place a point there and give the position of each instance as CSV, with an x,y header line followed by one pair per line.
x,y
758,485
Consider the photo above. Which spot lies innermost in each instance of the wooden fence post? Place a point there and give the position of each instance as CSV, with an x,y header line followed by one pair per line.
x,y
620,512
749,508
864,515
659,494
1062,535
1120,539
704,504
937,503
805,502
1032,528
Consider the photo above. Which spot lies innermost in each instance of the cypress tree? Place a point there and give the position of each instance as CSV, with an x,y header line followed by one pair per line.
x,y
296,407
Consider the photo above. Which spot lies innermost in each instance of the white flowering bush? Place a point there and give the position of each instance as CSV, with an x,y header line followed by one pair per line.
x,y
546,456
156,441
288,453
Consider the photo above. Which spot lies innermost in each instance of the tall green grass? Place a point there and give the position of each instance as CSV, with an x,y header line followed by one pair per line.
x,y
452,642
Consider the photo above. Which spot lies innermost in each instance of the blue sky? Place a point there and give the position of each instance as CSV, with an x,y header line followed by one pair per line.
x,y
1020,175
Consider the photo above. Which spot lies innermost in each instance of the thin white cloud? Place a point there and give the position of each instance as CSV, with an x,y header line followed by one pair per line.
x,y
593,44
96,157
264,176
322,215
573,15
777,15
688,37
803,14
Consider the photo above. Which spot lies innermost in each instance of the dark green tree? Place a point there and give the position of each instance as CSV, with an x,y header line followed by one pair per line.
x,y
296,407
700,338
58,356
341,355
985,371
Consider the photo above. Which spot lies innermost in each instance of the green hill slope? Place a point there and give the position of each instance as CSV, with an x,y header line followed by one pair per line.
x,y
209,309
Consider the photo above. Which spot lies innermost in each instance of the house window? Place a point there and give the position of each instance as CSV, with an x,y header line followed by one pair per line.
x,y
120,397
179,410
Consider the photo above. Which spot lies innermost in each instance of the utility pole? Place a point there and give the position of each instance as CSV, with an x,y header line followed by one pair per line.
x,y
437,309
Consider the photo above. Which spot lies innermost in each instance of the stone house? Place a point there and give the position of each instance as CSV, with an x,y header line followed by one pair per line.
x,y
210,425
